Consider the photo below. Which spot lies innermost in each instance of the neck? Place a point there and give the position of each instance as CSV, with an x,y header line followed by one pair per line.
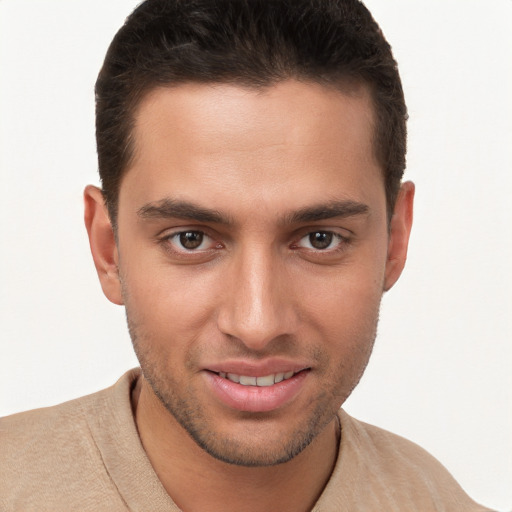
x,y
197,481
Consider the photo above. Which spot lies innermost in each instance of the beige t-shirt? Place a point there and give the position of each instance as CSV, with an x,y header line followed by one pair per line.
x,y
85,455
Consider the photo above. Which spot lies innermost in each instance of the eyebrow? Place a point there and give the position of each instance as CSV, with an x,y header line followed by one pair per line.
x,y
330,210
172,208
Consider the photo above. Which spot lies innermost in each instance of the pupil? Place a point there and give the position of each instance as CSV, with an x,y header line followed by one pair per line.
x,y
191,239
320,239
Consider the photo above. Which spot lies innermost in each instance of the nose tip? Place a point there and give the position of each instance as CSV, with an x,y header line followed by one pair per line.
x,y
256,308
253,325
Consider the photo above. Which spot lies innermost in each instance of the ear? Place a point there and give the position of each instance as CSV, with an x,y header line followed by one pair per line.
x,y
103,244
399,231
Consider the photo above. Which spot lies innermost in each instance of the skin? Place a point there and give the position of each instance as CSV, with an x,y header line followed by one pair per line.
x,y
259,288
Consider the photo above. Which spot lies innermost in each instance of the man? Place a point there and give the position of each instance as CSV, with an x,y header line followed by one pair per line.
x,y
251,216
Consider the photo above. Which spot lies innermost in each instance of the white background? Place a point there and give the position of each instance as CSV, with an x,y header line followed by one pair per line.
x,y
441,371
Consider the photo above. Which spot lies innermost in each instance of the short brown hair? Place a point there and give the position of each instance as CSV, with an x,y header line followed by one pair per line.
x,y
253,43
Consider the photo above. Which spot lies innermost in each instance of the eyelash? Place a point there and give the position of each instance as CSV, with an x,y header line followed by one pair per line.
x,y
341,241
167,241
171,247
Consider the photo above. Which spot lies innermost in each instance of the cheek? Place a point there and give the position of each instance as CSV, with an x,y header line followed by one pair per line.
x,y
346,297
343,313
167,300
348,327
349,320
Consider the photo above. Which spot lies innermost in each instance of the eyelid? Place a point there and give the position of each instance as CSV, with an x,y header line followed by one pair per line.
x,y
166,239
343,242
338,231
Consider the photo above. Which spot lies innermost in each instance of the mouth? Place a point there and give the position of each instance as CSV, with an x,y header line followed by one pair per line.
x,y
263,381
257,393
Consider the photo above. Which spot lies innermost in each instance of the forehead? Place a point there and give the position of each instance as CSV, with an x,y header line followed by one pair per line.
x,y
222,138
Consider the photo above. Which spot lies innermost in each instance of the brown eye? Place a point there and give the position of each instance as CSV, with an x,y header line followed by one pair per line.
x,y
320,239
191,239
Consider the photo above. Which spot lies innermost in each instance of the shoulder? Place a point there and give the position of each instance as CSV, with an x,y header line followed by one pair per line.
x,y
377,469
37,435
55,449
388,451
31,434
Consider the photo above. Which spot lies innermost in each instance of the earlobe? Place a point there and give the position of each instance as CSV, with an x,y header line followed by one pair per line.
x,y
103,244
399,232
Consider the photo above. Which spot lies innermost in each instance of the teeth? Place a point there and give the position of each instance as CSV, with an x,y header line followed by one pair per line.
x,y
279,377
267,380
248,381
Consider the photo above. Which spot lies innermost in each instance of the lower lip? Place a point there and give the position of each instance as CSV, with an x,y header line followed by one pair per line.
x,y
256,398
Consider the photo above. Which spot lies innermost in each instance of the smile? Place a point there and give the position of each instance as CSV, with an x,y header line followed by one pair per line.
x,y
265,381
256,393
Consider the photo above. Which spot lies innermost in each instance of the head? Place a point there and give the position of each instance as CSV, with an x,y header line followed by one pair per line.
x,y
256,44
251,152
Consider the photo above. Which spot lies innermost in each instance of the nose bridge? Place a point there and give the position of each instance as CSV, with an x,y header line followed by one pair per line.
x,y
255,310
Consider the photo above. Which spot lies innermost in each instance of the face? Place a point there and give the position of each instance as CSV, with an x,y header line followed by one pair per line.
x,y
253,249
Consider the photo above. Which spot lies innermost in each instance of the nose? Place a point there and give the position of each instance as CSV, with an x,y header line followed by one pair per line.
x,y
257,306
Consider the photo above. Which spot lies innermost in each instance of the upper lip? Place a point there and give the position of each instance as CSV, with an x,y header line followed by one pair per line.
x,y
257,368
